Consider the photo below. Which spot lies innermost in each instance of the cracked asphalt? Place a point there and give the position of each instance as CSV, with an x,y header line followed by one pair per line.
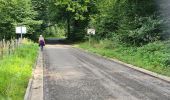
x,y
72,74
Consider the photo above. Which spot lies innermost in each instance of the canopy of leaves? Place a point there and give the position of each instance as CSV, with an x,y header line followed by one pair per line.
x,y
14,13
134,22
75,13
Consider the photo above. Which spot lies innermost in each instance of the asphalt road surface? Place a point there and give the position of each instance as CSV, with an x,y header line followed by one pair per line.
x,y
72,74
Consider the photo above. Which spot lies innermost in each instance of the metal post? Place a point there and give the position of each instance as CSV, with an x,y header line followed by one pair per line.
x,y
21,33
89,39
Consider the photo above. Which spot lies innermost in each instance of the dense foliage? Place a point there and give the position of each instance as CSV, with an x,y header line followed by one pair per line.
x,y
73,15
15,13
133,22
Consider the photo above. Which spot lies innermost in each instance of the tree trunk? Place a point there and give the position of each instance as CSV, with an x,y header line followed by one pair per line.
x,y
68,28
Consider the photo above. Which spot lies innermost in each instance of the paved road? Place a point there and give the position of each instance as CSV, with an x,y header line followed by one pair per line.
x,y
71,74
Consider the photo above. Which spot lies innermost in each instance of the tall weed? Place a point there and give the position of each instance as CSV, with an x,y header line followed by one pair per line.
x,y
16,70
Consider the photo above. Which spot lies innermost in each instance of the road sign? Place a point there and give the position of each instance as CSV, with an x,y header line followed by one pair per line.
x,y
21,30
91,31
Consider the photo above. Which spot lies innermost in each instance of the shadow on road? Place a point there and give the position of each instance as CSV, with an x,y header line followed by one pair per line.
x,y
54,41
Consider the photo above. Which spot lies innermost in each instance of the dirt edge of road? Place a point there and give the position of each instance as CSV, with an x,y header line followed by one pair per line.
x,y
156,75
35,86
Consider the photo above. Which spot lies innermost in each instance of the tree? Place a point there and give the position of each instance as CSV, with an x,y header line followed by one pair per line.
x,y
14,13
75,13
132,22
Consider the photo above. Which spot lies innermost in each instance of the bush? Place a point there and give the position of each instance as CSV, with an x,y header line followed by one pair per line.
x,y
140,31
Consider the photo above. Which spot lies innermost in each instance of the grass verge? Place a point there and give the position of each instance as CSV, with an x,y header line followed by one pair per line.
x,y
16,70
154,56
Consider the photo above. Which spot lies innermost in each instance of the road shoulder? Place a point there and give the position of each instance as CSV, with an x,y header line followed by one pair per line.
x,y
35,86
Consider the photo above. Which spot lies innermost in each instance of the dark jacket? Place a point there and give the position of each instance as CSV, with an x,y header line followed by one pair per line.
x,y
42,43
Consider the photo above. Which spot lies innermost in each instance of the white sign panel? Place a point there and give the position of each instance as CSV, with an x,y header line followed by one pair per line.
x,y
20,30
91,31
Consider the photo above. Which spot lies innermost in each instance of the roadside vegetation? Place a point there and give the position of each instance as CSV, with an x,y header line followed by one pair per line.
x,y
55,31
153,56
16,70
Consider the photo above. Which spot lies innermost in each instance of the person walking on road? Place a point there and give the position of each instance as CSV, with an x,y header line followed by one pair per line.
x,y
41,42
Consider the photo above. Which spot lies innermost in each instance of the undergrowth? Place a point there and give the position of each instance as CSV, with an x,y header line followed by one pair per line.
x,y
16,70
153,56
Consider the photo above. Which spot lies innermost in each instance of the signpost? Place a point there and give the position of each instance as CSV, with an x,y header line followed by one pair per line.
x,y
21,30
90,32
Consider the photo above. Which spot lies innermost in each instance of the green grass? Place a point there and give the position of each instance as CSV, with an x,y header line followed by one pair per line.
x,y
16,70
154,56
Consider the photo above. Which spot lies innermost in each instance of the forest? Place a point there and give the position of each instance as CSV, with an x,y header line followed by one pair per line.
x,y
134,31
134,22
